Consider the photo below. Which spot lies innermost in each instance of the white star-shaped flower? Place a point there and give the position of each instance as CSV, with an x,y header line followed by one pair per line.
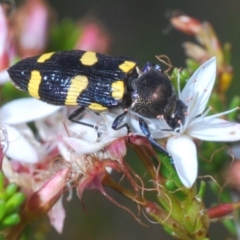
x,y
197,124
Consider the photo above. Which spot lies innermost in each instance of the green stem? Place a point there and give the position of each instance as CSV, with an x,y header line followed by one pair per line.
x,y
109,182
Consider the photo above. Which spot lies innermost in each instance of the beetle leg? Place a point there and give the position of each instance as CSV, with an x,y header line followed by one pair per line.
x,y
118,120
76,115
144,127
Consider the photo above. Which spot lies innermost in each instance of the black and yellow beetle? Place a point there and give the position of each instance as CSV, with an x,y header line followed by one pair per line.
x,y
100,82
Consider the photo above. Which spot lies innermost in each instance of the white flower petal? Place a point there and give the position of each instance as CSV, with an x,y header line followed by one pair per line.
x,y
103,125
25,110
85,147
215,129
84,132
57,215
4,77
64,150
183,151
199,87
18,147
8,170
156,127
50,127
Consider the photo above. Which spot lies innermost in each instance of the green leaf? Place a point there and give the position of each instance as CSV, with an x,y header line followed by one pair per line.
x,y
168,171
1,181
192,65
10,220
3,195
10,92
11,189
2,208
216,103
227,47
202,189
231,227
16,200
235,102
183,76
64,36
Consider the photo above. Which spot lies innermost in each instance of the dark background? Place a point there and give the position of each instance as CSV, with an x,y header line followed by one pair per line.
x,y
136,28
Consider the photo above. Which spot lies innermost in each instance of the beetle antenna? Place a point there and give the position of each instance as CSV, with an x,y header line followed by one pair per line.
x,y
161,58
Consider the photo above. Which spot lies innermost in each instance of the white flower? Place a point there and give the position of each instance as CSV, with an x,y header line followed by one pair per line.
x,y
180,145
13,118
4,77
84,140
197,124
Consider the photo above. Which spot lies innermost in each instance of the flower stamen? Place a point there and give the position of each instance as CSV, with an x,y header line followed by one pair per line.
x,y
223,113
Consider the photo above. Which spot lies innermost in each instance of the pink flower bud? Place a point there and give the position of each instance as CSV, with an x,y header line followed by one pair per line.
x,y
222,210
186,24
93,37
41,202
30,28
4,40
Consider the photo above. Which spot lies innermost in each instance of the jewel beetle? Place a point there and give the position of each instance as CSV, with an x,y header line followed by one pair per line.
x,y
101,82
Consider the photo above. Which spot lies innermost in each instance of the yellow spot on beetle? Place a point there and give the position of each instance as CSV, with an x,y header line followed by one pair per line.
x,y
89,58
97,107
78,84
127,66
45,57
118,89
33,84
